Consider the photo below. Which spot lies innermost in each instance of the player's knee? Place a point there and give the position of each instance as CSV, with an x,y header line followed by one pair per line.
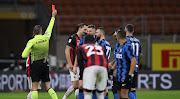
x,y
75,87
75,84
80,84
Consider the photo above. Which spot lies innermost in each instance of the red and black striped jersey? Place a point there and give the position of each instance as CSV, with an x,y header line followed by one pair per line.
x,y
73,42
91,54
28,63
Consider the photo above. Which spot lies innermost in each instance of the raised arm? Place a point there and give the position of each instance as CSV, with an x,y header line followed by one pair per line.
x,y
51,24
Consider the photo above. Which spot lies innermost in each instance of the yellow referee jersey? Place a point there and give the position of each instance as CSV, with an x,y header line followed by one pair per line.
x,y
39,45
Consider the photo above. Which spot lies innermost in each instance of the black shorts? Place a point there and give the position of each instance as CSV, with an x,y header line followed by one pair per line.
x,y
39,71
115,86
134,80
123,85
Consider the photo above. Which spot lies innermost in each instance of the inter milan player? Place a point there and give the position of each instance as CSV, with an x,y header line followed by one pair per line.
x,y
112,67
94,71
125,64
129,28
70,52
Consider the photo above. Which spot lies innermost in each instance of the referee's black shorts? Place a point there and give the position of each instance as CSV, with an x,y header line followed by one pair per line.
x,y
39,71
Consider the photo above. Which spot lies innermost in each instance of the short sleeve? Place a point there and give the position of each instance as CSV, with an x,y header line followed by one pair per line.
x,y
140,47
70,41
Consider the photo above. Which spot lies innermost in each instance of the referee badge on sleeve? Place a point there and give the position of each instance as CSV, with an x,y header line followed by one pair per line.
x,y
47,32
27,46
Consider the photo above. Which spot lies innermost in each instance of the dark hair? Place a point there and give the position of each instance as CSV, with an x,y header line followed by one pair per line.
x,y
37,29
89,39
121,33
101,29
80,26
130,27
92,26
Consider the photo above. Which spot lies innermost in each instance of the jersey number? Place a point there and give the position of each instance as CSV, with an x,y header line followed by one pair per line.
x,y
136,51
27,61
91,50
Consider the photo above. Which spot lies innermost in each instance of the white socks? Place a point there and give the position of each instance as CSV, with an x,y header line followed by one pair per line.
x,y
100,95
76,93
68,92
87,95
29,96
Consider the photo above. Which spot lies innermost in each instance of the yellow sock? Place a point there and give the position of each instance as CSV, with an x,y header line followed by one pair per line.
x,y
34,94
52,93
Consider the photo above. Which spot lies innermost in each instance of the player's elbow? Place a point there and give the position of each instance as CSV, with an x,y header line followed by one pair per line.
x,y
140,55
24,56
133,60
67,50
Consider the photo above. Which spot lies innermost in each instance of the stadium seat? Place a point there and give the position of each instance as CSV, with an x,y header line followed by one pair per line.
x,y
118,8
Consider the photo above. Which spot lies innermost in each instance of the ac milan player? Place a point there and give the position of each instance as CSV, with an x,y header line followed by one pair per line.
x,y
94,71
91,31
28,64
70,52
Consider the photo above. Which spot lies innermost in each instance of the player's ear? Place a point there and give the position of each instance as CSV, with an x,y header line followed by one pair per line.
x,y
33,34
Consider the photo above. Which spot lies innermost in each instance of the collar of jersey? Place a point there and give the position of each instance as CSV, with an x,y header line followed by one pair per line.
x,y
37,35
123,44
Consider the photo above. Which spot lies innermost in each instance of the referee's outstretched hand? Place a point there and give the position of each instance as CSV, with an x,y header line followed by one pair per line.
x,y
54,13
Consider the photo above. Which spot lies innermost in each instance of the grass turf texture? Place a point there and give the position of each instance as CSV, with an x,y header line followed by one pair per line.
x,y
140,95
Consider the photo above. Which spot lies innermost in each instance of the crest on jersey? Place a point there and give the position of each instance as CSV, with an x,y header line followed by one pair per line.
x,y
119,56
69,41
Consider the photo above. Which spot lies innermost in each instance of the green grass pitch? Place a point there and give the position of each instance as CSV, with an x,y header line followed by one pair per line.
x,y
140,95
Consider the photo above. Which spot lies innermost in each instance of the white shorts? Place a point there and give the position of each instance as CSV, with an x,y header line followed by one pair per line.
x,y
95,75
73,76
30,83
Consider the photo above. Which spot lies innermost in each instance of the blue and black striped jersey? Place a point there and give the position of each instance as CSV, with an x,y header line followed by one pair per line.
x,y
82,41
136,44
123,54
107,47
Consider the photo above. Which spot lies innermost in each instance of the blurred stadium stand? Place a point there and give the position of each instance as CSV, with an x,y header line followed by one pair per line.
x,y
148,16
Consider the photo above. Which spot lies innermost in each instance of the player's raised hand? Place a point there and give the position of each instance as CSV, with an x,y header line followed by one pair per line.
x,y
54,13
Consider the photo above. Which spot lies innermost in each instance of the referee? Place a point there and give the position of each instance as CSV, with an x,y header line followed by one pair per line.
x,y
39,47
